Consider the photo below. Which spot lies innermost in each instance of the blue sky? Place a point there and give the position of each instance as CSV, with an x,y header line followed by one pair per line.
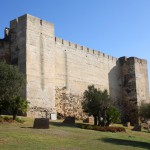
x,y
115,27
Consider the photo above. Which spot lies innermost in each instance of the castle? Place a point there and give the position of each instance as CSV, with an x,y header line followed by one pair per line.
x,y
58,71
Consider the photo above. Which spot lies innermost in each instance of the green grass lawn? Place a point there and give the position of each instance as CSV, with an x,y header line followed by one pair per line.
x,y
17,136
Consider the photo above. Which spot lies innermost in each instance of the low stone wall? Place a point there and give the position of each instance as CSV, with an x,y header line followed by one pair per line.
x,y
68,104
39,112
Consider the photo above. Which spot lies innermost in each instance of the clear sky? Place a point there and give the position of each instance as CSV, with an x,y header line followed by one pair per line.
x,y
115,27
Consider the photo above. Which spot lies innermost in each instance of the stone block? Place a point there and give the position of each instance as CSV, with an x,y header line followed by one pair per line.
x,y
70,120
53,116
41,123
127,124
88,120
137,127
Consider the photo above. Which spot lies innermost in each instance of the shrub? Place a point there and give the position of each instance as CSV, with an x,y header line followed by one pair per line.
x,y
109,129
6,118
90,127
19,120
104,129
1,119
83,126
10,120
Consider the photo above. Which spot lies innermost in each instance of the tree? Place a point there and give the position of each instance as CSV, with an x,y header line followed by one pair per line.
x,y
98,104
144,111
113,115
18,104
104,104
11,83
129,111
90,103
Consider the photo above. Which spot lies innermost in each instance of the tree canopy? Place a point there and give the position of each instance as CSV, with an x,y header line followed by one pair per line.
x,y
144,111
11,83
18,104
98,104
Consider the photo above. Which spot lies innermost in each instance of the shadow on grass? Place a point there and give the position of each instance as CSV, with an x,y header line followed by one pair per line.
x,y
122,142
146,131
27,127
61,124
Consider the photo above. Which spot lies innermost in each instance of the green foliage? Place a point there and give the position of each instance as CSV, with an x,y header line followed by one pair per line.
x,y
10,119
144,111
19,120
5,119
11,83
98,104
113,115
18,104
1,119
90,104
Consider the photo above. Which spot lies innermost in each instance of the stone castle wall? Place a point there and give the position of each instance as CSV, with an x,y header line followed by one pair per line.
x,y
58,71
78,66
68,104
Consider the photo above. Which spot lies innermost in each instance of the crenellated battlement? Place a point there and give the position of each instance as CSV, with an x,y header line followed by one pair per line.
x,y
132,60
93,52
35,20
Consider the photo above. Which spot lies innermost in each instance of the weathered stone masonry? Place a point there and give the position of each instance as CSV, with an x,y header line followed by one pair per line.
x,y
58,72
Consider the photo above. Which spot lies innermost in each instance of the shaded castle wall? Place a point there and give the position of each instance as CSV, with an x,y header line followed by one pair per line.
x,y
18,42
134,79
127,67
5,47
134,86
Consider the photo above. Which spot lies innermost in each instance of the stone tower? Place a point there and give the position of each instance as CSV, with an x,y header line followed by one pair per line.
x,y
135,89
32,48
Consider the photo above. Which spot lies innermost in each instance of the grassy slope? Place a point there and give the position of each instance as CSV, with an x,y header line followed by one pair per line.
x,y
60,137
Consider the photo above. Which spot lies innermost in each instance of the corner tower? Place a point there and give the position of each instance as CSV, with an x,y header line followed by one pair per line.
x,y
135,88
33,49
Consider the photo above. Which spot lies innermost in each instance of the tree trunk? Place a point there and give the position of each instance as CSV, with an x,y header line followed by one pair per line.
x,y
104,118
99,120
15,114
103,123
108,122
95,120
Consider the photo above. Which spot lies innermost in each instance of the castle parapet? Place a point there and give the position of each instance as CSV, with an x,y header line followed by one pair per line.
x,y
124,59
87,50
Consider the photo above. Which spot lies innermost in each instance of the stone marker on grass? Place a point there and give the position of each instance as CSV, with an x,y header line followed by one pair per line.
x,y
137,127
127,124
70,120
53,116
88,120
41,123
